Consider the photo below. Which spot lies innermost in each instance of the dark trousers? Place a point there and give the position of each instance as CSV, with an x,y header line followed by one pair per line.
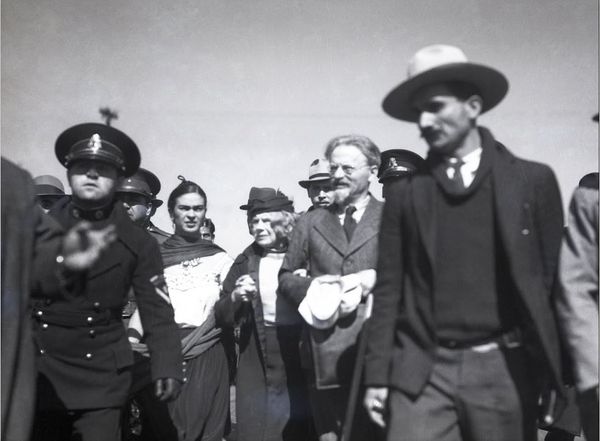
x,y
77,425
470,396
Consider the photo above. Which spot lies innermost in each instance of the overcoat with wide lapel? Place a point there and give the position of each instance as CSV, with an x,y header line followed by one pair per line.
x,y
528,224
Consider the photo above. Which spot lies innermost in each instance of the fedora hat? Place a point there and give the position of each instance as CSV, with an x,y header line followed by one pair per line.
x,y
98,142
261,200
48,186
438,64
318,171
142,182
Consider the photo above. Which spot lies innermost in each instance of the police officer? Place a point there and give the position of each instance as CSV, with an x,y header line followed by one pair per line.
x,y
138,195
84,358
48,189
397,164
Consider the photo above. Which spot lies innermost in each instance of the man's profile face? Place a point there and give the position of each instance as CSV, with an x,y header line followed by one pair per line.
x,y
320,193
93,181
350,174
444,119
138,206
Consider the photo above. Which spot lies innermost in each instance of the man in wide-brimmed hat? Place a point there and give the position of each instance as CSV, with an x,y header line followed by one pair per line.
x,y
318,184
84,358
469,248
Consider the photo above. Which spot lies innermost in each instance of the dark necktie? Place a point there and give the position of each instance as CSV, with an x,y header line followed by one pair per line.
x,y
457,179
349,222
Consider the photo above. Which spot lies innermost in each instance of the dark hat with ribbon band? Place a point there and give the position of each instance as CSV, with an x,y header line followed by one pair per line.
x,y
397,163
48,186
98,142
261,200
142,182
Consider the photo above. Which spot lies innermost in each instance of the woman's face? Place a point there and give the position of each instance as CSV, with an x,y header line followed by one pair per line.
x,y
261,228
188,214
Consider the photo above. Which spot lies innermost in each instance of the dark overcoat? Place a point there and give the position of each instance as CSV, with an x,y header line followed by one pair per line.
x,y
252,385
30,243
529,222
84,357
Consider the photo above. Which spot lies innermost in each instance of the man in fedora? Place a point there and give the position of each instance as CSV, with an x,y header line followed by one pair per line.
x,y
397,164
138,195
317,185
48,189
337,247
465,335
84,358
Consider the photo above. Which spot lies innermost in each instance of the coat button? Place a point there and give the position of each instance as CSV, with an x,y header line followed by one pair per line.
x,y
525,231
89,355
92,333
42,351
39,313
45,325
90,320
48,301
96,306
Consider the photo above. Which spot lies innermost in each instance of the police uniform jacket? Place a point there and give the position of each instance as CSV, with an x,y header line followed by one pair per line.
x,y
84,357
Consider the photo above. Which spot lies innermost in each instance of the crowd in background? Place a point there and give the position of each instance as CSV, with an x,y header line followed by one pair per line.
x,y
460,308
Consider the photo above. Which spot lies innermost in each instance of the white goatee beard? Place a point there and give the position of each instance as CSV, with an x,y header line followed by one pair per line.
x,y
340,196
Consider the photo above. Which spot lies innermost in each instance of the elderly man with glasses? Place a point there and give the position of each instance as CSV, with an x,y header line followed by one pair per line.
x,y
336,248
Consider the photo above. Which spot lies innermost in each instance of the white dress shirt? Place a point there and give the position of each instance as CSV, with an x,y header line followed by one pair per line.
x,y
468,169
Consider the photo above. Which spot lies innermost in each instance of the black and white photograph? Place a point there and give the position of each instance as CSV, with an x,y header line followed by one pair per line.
x,y
299,220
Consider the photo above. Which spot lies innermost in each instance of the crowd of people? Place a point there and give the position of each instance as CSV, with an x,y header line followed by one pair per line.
x,y
459,308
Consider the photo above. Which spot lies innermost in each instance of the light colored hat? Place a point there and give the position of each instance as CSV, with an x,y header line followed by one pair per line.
x,y
443,63
317,172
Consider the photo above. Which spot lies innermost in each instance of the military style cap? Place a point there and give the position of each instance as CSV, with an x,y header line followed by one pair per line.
x,y
397,163
261,200
317,172
48,185
98,142
142,182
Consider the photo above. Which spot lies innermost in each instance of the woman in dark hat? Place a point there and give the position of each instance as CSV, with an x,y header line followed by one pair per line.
x,y
194,269
271,396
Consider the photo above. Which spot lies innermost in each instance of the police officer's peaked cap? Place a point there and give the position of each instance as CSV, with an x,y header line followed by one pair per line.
x,y
142,182
397,163
98,142
48,185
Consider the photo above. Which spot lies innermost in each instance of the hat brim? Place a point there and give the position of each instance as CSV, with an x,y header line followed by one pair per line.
x,y
492,86
306,184
156,203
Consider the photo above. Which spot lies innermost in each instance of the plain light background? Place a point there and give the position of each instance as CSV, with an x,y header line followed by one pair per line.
x,y
232,93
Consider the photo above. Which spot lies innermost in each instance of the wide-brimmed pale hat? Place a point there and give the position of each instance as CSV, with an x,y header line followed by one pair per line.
x,y
443,63
317,172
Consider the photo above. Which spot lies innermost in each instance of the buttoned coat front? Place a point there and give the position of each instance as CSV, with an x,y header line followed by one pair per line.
x,y
528,224
319,245
84,357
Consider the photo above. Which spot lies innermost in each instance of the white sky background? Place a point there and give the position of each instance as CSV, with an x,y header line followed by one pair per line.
x,y
233,94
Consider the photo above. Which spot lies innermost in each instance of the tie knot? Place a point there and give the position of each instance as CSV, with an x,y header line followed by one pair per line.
x,y
350,210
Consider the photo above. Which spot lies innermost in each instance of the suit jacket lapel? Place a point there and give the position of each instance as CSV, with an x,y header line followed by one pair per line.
x,y
423,200
508,202
368,225
331,230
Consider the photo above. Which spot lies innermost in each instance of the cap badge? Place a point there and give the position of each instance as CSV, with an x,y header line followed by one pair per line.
x,y
393,162
95,143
